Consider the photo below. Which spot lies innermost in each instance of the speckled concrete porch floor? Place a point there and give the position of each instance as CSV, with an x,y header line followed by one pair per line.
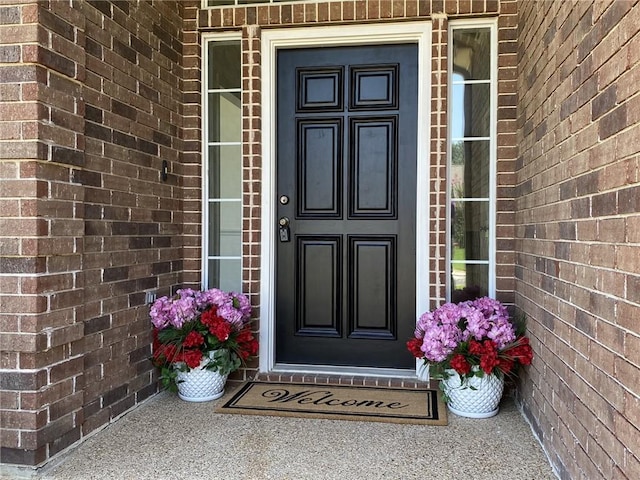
x,y
166,438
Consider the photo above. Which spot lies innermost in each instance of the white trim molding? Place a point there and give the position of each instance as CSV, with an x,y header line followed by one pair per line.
x,y
379,34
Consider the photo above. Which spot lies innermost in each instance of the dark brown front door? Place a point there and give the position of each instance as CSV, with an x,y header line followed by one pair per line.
x,y
346,186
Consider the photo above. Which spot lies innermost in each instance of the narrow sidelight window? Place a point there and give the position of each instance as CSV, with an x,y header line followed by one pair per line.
x,y
472,147
222,160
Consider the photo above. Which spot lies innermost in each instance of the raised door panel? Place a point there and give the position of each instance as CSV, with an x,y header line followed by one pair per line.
x,y
372,283
319,168
318,286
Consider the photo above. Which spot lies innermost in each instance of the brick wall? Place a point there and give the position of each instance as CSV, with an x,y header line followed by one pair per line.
x,y
578,231
91,103
95,94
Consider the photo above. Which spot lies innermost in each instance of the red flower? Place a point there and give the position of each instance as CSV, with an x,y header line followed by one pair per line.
x,y
505,365
490,346
247,344
193,339
162,353
520,351
192,358
475,347
210,317
244,335
413,346
248,350
489,359
220,329
216,324
488,363
526,356
460,364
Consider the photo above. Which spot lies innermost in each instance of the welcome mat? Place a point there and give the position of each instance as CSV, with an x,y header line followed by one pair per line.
x,y
338,402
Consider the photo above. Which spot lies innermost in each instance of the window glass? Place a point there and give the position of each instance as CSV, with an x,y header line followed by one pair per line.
x,y
471,102
469,177
472,53
469,281
225,222
456,120
224,68
219,3
225,117
223,179
225,274
225,171
471,173
470,230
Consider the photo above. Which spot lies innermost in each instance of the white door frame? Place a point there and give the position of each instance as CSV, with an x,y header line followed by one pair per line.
x,y
378,34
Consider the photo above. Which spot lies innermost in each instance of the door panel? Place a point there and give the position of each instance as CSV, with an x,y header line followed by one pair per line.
x,y
372,285
373,168
319,261
346,162
319,187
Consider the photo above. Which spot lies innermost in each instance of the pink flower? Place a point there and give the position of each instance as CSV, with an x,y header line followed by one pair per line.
x,y
159,312
470,335
231,314
192,324
439,331
491,322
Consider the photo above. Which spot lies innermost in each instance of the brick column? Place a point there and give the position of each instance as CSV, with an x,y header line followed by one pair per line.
x,y
438,160
191,166
90,107
42,133
507,149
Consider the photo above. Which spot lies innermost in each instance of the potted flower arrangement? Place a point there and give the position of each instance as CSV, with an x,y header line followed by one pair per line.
x,y
200,337
471,346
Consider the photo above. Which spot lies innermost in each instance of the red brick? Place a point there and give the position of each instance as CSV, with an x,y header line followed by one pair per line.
x,y
65,406
626,372
631,466
627,259
23,420
625,431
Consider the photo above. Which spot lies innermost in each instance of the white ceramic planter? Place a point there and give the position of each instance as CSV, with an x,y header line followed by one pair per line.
x,y
200,384
481,401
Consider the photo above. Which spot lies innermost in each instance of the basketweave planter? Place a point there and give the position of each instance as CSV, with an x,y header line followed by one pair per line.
x,y
477,397
200,384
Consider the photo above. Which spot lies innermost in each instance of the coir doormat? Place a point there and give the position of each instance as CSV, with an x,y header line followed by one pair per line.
x,y
338,402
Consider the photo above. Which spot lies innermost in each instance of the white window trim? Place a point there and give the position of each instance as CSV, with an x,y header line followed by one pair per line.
x,y
206,38
379,34
492,24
